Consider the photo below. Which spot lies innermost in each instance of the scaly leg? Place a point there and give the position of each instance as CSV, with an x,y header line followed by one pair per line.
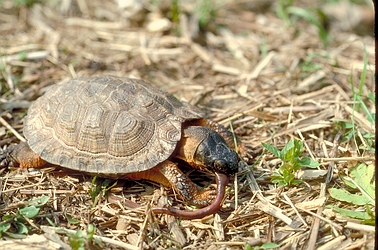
x,y
185,187
169,175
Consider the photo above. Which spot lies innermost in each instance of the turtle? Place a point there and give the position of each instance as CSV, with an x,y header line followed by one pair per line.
x,y
125,128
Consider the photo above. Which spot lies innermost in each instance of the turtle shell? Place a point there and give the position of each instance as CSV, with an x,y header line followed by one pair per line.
x,y
106,125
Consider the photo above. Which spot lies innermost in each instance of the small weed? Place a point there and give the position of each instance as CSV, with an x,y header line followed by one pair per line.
x,y
288,13
268,245
317,18
26,3
263,48
291,162
350,132
99,188
309,66
79,240
360,103
174,11
358,96
72,220
18,225
206,10
361,184
282,7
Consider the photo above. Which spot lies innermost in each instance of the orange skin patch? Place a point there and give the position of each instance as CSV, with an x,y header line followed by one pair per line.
x,y
23,156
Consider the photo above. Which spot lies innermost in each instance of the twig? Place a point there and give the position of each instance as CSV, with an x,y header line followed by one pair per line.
x,y
295,209
333,153
315,226
359,227
8,126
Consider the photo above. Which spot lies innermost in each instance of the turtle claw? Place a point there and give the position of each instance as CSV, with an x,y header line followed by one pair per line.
x,y
204,197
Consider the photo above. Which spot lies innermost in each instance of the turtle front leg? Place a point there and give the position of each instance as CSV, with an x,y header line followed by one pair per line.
x,y
21,155
169,175
185,187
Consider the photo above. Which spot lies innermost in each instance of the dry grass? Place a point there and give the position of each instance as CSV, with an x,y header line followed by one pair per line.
x,y
272,81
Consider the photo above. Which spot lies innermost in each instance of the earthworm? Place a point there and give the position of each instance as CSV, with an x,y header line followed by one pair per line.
x,y
222,181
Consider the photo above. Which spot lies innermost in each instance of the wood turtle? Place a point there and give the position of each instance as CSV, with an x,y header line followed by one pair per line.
x,y
126,128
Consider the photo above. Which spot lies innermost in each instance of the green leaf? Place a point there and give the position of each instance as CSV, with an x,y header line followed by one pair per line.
x,y
360,215
292,151
6,217
22,228
15,236
296,182
343,195
364,177
306,14
29,212
40,201
77,240
72,220
308,162
348,181
272,149
4,227
269,245
91,230
369,136
247,246
287,152
371,213
50,222
371,96
22,55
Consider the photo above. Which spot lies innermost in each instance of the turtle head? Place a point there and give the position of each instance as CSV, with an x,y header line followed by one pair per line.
x,y
211,152
217,155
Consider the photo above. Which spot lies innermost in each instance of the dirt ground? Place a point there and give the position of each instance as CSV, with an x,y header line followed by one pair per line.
x,y
263,68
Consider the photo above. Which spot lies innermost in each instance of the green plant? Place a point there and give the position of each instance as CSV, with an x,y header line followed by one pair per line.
x,y
291,162
19,224
206,10
288,13
26,3
79,240
350,132
351,129
308,65
268,245
174,11
358,96
317,18
361,186
99,188
281,10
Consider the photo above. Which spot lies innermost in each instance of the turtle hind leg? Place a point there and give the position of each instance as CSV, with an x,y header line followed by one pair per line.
x,y
21,155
